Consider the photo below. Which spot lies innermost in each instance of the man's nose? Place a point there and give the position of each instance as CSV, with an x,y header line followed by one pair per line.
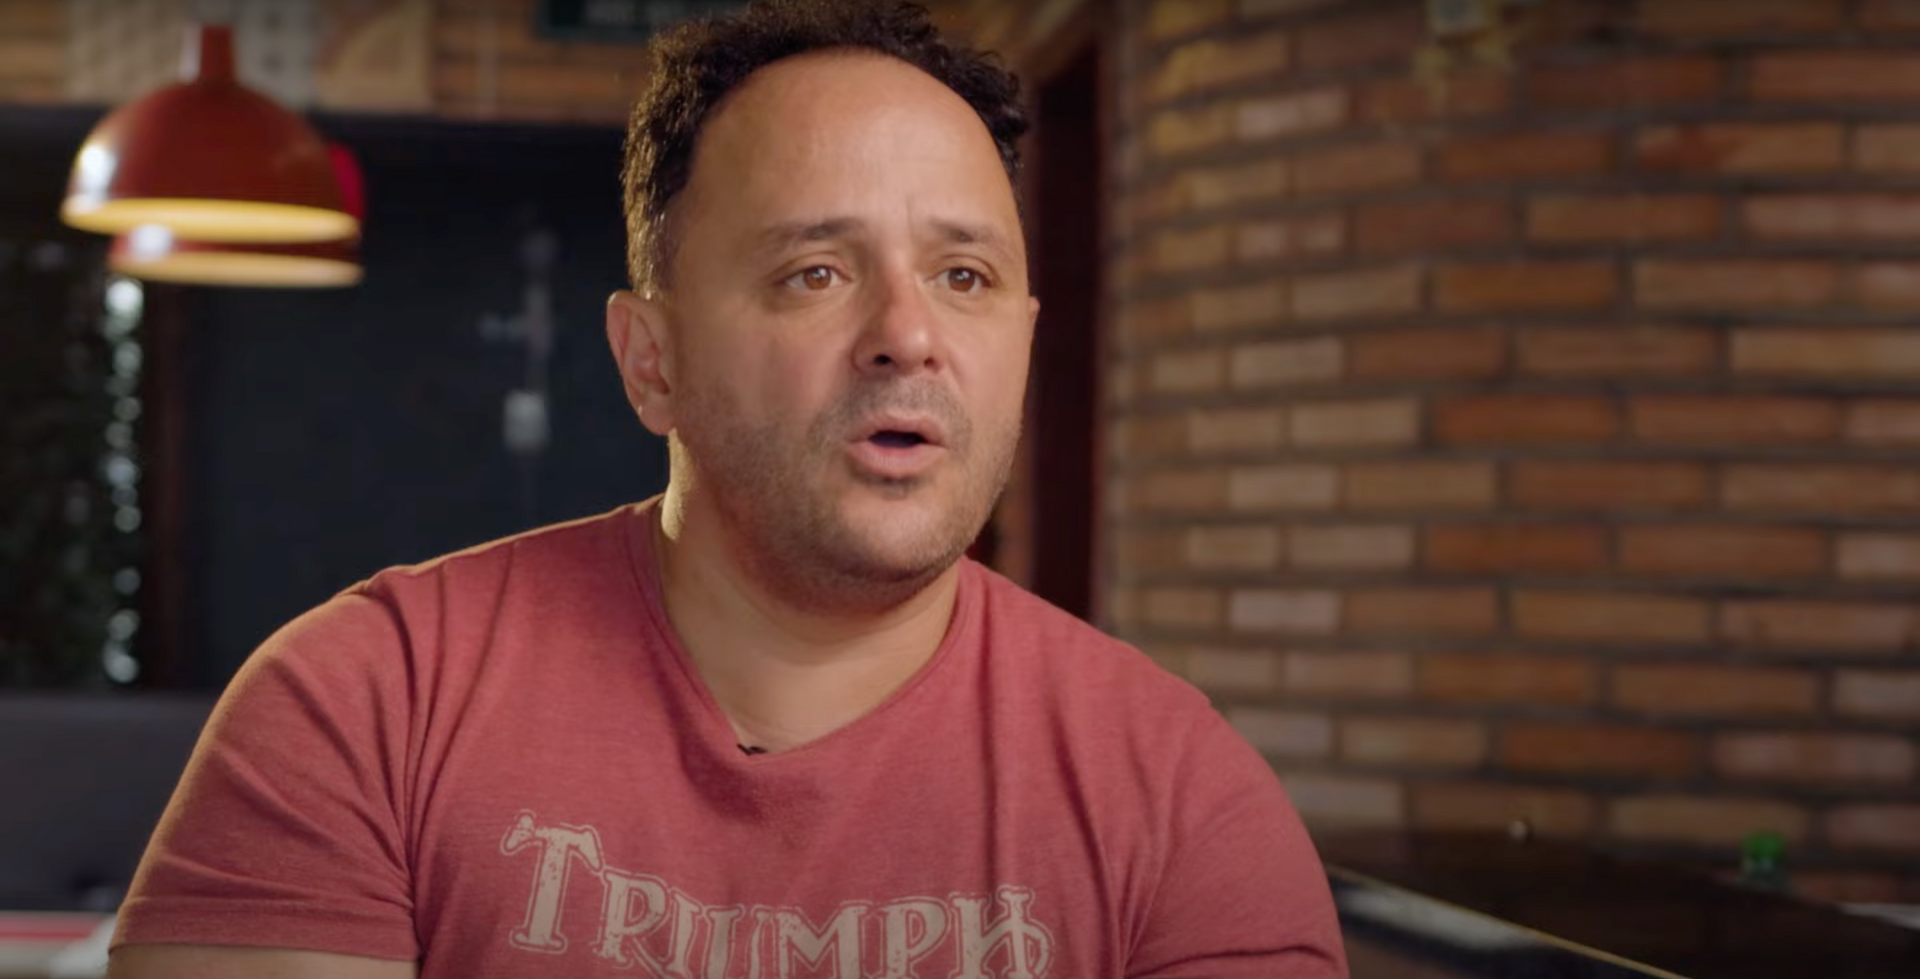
x,y
901,335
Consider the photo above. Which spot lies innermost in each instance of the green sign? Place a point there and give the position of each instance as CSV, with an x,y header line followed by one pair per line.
x,y
617,21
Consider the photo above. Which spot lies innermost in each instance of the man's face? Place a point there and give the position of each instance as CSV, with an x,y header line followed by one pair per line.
x,y
850,323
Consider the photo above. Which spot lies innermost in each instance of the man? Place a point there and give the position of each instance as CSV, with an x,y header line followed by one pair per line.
x,y
771,723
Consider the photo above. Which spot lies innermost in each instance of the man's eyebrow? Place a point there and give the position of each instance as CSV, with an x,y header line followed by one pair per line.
x,y
779,237
965,233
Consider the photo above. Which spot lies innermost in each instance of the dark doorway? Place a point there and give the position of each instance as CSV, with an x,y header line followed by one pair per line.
x,y
1064,395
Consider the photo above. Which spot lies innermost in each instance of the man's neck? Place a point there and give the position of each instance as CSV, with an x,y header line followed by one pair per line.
x,y
786,675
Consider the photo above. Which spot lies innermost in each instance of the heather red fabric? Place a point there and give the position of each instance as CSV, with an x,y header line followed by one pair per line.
x,y
501,762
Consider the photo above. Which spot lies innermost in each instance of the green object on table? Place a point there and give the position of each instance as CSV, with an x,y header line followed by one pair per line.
x,y
1763,861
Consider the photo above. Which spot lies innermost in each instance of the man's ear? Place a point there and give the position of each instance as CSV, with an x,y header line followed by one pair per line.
x,y
642,349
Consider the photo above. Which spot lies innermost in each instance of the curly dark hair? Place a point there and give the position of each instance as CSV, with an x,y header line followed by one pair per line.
x,y
696,64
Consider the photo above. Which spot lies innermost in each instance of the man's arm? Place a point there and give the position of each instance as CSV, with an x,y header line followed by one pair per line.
x,y
229,962
1243,894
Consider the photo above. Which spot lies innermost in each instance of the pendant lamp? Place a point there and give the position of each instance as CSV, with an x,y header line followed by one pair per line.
x,y
153,252
210,160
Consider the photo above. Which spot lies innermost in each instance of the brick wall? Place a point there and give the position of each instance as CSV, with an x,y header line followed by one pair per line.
x,y
488,64
1535,436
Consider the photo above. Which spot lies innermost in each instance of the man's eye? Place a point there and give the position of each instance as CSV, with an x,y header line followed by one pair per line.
x,y
812,279
965,280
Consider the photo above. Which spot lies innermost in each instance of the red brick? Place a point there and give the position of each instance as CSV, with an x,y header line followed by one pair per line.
x,y
1515,547
1594,749
1527,155
1724,550
1261,180
1168,19
1878,694
1625,83
1420,485
1428,352
1229,430
1149,436
1850,75
1886,148
1814,757
32,57
1524,679
1289,239
1587,218
1357,167
1884,422
1186,372
1232,670
1742,147
1888,285
1389,36
46,18
1386,290
1489,806
1880,555
1813,624
1285,363
1375,421
1291,114
1232,547
1179,490
1821,489
1276,610
1423,612
1499,419
1152,551
1287,486
1401,101
1181,608
1710,420
1412,741
562,83
1172,133
1710,821
1283,733
1875,827
1714,691
1186,250
1609,485
1200,66
1345,801
1716,18
1889,15
1887,352
1441,224
1609,616
1832,217
1730,283
1151,322
1349,673
1525,285
1624,351
1338,547
1261,304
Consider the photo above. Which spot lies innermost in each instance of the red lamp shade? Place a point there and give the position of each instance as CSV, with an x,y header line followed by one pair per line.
x,y
209,159
155,253
152,252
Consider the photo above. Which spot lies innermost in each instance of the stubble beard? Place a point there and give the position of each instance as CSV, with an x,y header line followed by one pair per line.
x,y
790,533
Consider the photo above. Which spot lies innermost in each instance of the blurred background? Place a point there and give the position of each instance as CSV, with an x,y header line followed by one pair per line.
x,y
1508,411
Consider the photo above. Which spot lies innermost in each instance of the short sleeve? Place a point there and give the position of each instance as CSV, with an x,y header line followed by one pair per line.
x,y
1242,892
288,828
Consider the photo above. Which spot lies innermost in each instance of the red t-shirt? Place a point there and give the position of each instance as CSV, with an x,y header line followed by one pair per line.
x,y
501,762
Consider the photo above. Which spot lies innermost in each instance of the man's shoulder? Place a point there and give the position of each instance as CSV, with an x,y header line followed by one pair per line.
x,y
1077,656
590,545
